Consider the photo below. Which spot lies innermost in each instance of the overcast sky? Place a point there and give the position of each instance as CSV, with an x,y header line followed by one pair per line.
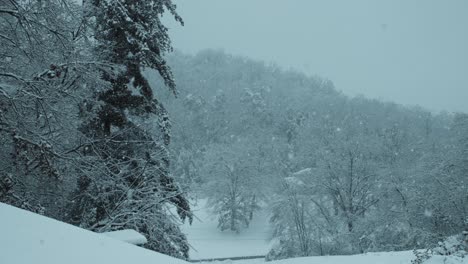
x,y
407,51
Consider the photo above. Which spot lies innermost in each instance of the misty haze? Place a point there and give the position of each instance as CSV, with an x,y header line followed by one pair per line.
x,y
235,132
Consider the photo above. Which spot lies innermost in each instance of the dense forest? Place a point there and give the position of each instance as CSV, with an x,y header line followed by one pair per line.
x,y
83,138
98,131
340,175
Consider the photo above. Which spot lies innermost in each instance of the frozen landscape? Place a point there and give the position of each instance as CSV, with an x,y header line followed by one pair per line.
x,y
210,243
207,241
31,238
247,131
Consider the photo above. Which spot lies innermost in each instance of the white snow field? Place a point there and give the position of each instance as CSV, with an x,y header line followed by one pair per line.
x,y
28,238
209,242
403,257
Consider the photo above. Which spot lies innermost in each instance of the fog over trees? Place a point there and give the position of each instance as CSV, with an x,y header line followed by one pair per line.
x,y
340,175
104,127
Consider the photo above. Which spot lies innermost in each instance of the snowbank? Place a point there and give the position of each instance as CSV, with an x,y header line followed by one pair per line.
x,y
128,235
403,257
28,238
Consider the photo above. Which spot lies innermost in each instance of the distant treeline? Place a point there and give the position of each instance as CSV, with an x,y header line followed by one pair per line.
x,y
339,174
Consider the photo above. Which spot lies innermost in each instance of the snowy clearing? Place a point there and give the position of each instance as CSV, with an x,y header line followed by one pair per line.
x,y
403,257
209,242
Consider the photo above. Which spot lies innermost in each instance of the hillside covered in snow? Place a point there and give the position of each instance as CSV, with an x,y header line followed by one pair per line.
x,y
28,238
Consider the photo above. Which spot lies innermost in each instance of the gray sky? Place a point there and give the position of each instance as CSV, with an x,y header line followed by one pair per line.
x,y
407,51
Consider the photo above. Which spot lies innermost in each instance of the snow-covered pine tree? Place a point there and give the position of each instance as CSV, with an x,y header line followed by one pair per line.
x,y
233,208
230,200
125,180
232,181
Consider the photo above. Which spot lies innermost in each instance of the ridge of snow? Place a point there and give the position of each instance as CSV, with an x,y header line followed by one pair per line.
x,y
128,235
29,238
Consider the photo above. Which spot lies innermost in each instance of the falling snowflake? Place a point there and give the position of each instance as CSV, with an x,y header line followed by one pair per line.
x,y
428,213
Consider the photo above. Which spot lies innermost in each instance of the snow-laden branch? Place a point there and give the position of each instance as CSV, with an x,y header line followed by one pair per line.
x,y
13,76
9,11
4,92
7,38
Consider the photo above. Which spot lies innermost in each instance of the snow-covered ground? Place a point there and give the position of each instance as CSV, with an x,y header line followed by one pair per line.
x,y
209,242
28,238
403,257
127,235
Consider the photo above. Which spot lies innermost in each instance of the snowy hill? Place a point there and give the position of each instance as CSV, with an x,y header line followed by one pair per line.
x,y
209,242
28,238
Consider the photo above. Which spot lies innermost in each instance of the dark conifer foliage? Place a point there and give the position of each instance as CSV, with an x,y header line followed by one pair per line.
x,y
136,162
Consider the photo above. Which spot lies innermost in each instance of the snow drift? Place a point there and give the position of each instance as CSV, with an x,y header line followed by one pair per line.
x,y
28,238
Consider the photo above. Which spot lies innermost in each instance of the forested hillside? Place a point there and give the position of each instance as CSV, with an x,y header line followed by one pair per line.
x,y
340,175
104,127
